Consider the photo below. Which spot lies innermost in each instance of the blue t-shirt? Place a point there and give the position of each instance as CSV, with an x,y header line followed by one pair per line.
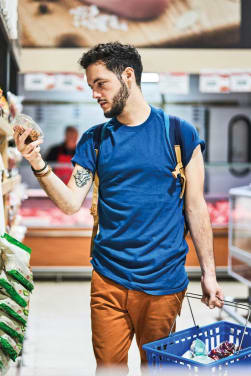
x,y
140,243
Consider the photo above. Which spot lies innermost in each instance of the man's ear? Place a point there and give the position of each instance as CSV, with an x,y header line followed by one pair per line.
x,y
128,76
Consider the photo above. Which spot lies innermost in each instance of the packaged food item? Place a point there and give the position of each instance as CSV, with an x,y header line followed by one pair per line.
x,y
12,328
198,352
16,259
4,362
13,289
9,346
24,122
222,351
4,107
12,309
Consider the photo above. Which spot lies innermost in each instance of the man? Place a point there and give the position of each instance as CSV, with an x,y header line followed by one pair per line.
x,y
139,279
63,153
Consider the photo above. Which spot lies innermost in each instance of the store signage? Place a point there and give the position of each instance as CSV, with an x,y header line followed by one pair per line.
x,y
225,81
214,82
174,83
240,81
51,81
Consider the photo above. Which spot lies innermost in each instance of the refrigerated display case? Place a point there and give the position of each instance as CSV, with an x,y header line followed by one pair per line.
x,y
240,235
61,244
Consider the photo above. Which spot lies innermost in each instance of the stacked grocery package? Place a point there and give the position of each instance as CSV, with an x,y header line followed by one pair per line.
x,y
16,284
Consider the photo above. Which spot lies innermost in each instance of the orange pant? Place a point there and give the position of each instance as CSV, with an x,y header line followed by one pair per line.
x,y
118,313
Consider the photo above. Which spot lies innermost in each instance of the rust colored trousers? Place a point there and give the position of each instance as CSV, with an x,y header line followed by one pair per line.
x,y
118,313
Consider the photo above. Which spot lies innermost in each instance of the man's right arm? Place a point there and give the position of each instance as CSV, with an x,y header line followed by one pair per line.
x,y
68,198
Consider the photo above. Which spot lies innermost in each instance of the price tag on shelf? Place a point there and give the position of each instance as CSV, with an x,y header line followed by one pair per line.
x,y
174,83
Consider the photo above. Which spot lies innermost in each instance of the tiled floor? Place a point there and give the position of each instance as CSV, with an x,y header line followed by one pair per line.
x,y
58,337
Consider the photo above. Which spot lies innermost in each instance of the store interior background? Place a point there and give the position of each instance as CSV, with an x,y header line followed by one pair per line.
x,y
60,244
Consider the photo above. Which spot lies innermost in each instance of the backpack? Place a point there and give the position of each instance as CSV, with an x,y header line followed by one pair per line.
x,y
173,135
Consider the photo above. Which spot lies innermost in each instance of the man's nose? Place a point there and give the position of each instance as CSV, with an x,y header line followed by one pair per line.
x,y
95,94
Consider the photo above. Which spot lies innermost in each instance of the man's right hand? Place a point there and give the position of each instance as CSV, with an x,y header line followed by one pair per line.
x,y
30,151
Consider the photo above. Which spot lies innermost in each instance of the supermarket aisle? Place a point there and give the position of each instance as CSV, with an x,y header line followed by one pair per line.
x,y
58,339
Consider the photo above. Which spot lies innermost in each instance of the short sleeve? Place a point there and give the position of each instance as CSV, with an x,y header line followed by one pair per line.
x,y
85,154
190,140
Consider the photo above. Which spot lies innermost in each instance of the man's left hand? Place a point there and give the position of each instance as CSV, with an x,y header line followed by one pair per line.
x,y
212,293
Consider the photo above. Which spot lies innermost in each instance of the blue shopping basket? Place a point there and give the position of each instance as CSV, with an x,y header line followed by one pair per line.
x,y
167,352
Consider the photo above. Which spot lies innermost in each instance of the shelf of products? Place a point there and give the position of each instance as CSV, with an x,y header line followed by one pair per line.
x,y
10,104
9,184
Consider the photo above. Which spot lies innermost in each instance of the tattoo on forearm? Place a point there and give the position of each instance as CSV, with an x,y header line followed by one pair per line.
x,y
82,177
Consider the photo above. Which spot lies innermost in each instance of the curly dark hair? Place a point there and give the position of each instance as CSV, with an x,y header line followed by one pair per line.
x,y
116,57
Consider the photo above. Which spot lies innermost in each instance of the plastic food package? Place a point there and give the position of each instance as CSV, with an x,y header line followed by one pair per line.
x,y
14,290
222,351
13,329
198,352
9,346
16,259
12,309
4,361
25,122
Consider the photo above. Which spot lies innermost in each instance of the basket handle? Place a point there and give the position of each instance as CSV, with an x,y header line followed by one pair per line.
x,y
226,302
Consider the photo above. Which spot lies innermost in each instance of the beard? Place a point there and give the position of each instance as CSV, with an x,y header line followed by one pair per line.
x,y
118,102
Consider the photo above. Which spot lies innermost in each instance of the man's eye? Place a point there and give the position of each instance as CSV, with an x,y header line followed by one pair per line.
x,y
100,84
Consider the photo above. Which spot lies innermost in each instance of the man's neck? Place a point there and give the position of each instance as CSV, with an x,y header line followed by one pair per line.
x,y
136,111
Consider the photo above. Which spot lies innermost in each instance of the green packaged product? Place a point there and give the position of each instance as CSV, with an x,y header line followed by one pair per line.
x,y
16,260
14,329
9,346
12,309
4,363
14,290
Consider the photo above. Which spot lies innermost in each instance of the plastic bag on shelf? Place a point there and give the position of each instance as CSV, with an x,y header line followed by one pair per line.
x,y
10,307
12,328
16,259
14,290
9,346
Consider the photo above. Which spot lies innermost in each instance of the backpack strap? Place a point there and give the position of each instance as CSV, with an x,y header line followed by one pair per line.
x,y
172,125
94,206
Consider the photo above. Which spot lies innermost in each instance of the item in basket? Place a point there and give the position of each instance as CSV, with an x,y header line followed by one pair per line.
x,y
224,350
13,329
16,258
198,352
14,290
24,122
9,346
12,309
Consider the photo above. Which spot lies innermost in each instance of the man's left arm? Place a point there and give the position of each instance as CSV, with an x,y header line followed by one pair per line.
x,y
200,228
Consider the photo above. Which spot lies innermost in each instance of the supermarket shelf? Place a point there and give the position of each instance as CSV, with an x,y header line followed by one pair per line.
x,y
60,272
5,128
9,184
59,232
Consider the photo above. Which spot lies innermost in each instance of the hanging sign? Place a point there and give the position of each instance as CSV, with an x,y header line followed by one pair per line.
x,y
240,81
214,81
39,81
51,81
174,83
